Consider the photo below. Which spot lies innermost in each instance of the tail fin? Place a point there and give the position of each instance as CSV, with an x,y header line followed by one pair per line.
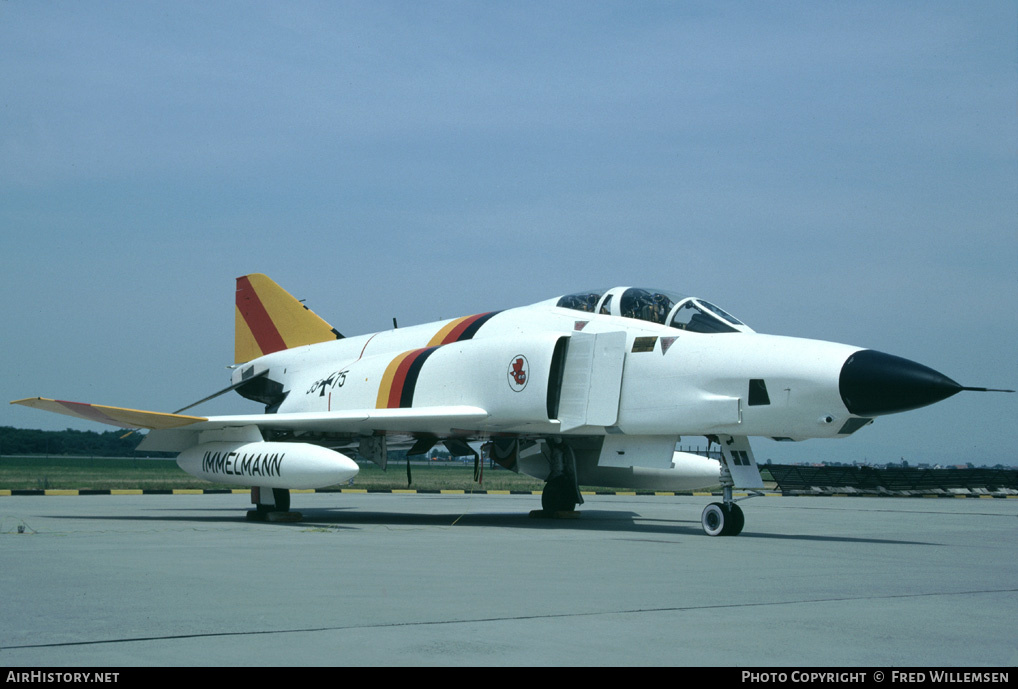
x,y
269,319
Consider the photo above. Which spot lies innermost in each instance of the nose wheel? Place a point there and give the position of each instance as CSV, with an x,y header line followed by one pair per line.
x,y
719,519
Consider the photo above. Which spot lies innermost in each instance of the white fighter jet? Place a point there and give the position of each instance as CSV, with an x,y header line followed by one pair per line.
x,y
592,388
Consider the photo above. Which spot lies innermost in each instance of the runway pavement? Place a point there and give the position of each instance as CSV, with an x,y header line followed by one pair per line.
x,y
390,579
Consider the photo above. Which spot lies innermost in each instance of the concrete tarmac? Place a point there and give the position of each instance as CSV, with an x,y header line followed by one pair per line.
x,y
391,579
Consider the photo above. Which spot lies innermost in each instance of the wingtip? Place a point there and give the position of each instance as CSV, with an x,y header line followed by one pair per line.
x,y
27,401
113,416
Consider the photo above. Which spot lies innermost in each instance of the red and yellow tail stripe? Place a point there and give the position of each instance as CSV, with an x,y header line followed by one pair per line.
x,y
400,379
461,329
269,319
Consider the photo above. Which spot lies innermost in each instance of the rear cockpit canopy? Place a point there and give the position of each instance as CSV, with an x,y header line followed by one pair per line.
x,y
656,306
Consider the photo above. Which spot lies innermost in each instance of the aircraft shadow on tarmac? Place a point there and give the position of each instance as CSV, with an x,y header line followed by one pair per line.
x,y
618,521
622,521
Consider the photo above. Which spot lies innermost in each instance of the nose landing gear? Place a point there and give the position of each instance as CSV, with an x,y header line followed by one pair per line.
x,y
738,466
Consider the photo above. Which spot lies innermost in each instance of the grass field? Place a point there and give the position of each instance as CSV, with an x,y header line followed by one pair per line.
x,y
102,473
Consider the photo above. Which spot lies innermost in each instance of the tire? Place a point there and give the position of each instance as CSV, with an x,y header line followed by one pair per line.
x,y
714,519
736,520
558,495
282,498
718,520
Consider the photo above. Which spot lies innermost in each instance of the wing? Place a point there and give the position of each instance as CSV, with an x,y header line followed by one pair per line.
x,y
177,432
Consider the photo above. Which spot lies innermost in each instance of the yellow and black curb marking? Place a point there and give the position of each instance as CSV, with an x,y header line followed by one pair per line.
x,y
414,491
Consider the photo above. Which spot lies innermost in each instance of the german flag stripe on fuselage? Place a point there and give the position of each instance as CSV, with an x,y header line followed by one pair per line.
x,y
400,379
461,329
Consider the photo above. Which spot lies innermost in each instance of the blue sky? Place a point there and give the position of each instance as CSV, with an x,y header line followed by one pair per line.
x,y
841,171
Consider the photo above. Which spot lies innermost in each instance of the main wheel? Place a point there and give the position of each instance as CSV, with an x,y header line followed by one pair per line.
x,y
282,498
559,495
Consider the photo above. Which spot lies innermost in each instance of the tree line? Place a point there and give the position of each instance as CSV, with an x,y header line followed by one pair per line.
x,y
26,441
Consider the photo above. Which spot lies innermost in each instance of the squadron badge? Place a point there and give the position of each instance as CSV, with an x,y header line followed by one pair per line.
x,y
519,371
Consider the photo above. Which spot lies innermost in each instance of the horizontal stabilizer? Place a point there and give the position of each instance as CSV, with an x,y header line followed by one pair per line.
x,y
114,416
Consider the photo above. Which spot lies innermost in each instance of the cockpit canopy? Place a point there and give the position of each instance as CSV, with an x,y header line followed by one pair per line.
x,y
656,306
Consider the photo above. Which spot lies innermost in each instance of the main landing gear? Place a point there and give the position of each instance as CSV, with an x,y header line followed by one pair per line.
x,y
272,505
561,493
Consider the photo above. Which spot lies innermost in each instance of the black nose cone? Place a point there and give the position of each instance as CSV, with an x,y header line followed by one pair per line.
x,y
874,383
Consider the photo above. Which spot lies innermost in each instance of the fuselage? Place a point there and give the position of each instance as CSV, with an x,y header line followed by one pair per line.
x,y
670,380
